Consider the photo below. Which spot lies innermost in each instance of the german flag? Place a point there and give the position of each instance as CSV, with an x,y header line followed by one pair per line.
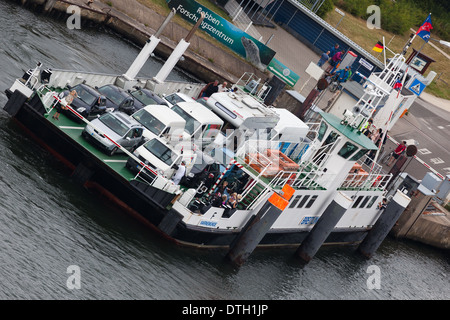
x,y
378,47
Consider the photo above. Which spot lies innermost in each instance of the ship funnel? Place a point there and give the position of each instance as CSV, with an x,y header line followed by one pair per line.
x,y
147,50
177,53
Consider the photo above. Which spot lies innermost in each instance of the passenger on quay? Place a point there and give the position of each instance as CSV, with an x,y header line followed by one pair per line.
x,y
397,152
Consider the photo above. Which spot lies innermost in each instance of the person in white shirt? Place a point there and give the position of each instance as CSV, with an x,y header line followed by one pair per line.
x,y
223,87
180,173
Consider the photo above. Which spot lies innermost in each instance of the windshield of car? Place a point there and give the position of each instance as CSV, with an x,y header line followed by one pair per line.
x,y
142,97
112,94
160,151
114,124
85,95
191,123
149,121
174,98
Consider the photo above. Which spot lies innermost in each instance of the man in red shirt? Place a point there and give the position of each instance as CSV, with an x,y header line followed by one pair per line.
x,y
397,152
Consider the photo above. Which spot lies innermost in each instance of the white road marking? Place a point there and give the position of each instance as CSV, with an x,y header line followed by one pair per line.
x,y
437,160
424,151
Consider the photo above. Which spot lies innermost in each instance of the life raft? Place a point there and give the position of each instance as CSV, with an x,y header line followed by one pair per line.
x,y
272,162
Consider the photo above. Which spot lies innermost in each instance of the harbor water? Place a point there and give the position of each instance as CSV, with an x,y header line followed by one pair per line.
x,y
52,229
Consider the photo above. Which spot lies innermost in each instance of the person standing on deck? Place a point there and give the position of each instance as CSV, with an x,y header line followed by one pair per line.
x,y
180,173
223,87
64,103
209,89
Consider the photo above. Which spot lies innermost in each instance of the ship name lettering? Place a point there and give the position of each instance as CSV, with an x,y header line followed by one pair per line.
x,y
309,220
208,223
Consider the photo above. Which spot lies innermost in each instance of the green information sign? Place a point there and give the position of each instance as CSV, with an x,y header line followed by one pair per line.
x,y
225,32
283,72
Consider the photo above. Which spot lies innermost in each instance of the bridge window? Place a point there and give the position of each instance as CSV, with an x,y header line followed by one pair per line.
x,y
332,137
323,128
347,150
355,204
374,198
294,202
311,202
359,154
302,203
364,202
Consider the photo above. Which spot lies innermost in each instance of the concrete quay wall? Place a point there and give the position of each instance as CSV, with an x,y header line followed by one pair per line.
x,y
432,230
424,221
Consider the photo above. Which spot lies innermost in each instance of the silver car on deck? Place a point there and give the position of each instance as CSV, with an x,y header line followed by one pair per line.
x,y
119,127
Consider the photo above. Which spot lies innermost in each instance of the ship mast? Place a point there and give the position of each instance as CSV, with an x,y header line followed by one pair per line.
x,y
377,87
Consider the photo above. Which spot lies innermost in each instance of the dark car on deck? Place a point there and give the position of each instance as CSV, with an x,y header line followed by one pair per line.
x,y
117,98
145,97
89,102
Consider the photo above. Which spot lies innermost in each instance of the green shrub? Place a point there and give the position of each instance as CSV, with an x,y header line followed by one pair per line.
x,y
326,7
401,15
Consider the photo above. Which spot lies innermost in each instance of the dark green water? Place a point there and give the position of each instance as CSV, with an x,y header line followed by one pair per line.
x,y
48,223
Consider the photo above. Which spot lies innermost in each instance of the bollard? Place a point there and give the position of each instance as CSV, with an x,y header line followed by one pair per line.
x,y
258,226
384,224
322,229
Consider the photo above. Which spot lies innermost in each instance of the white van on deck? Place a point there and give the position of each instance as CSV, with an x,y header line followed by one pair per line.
x,y
202,124
163,158
160,121
177,97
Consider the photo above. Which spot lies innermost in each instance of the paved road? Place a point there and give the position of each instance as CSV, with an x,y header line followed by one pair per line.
x,y
430,126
